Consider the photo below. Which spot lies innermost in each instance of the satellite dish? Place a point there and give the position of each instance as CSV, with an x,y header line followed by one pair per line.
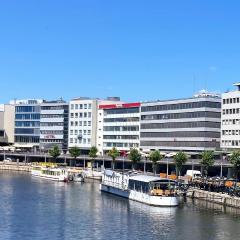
x,y
79,137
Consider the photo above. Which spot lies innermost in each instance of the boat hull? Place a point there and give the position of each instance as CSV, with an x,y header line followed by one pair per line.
x,y
52,178
166,201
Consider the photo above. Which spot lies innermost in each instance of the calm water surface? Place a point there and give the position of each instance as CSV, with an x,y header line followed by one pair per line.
x,y
31,208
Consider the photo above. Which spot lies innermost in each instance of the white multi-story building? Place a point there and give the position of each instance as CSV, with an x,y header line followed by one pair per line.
x,y
83,121
54,124
118,126
230,127
190,124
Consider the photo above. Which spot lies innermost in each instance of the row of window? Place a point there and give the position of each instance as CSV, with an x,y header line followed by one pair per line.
x,y
230,143
185,134
126,145
231,100
181,115
27,139
125,137
51,140
196,144
230,121
196,124
27,124
80,141
34,116
230,132
53,115
179,106
231,111
64,107
127,119
80,132
54,132
80,123
51,124
26,109
121,111
80,115
33,131
122,128
81,106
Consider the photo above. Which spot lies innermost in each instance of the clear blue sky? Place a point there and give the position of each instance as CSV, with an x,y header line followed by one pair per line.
x,y
139,50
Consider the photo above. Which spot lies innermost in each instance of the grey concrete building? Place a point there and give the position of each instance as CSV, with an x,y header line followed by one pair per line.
x,y
191,124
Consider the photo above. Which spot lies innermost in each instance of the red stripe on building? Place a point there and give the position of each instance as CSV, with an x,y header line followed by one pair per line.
x,y
120,105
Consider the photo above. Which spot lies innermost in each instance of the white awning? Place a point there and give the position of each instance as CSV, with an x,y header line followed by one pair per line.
x,y
23,145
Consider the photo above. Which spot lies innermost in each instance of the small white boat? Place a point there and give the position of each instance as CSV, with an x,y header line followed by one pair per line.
x,y
78,177
150,190
50,173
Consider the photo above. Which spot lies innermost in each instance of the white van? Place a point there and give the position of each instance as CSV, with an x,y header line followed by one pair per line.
x,y
193,173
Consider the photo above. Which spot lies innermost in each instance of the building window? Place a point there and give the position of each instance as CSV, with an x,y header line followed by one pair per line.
x,y
76,106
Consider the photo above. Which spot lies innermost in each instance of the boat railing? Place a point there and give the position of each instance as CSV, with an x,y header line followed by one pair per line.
x,y
115,184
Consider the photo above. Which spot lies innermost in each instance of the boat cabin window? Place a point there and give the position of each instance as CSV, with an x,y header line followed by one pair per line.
x,y
139,186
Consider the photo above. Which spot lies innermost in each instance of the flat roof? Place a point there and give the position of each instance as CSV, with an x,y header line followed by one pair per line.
x,y
147,179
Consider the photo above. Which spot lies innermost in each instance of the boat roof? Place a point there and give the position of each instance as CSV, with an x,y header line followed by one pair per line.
x,y
147,178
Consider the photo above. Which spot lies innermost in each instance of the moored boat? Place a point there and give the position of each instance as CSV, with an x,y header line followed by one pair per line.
x,y
50,173
147,189
78,177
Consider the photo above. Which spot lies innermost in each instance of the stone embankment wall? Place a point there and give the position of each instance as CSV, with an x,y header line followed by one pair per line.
x,y
223,199
15,167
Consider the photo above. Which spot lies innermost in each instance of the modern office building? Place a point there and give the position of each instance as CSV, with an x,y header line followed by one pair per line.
x,y
191,124
230,127
118,126
54,124
83,121
27,122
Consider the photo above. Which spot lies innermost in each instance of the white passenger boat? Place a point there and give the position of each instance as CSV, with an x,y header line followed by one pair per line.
x,y
150,190
50,173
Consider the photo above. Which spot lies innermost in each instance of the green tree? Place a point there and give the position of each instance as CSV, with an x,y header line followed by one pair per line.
x,y
93,154
55,152
234,159
207,160
180,159
74,152
134,156
113,153
155,156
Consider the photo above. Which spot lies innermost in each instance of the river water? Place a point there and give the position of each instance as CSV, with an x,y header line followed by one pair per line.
x,y
37,209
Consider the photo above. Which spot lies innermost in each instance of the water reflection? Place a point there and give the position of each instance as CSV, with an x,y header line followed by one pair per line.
x,y
38,209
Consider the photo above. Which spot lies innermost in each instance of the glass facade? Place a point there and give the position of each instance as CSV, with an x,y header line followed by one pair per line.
x,y
27,123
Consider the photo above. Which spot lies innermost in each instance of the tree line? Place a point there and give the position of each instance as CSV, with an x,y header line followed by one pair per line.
x,y
180,158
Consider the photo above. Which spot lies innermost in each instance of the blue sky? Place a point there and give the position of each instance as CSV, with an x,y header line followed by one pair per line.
x,y
139,50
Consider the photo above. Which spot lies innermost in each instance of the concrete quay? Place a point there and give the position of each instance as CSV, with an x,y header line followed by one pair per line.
x,y
15,167
213,197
